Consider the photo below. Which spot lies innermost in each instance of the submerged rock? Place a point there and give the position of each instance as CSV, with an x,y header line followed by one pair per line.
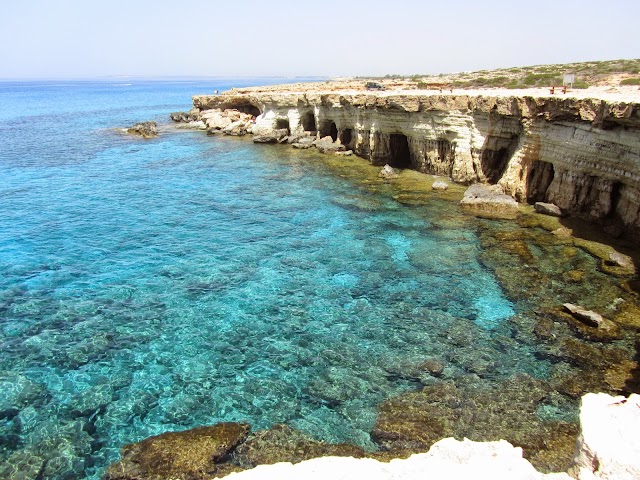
x,y
589,317
508,410
144,129
282,443
178,455
489,202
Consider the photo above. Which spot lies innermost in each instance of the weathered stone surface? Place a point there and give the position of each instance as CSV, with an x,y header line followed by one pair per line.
x,y
509,410
482,201
327,145
388,172
589,317
144,129
448,459
548,209
439,185
301,146
187,455
608,447
583,155
346,153
185,117
283,444
620,260
274,136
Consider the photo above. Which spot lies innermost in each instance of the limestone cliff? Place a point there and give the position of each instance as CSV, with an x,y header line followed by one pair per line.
x,y
583,154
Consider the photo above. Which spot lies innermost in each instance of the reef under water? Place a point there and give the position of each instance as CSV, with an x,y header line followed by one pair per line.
x,y
150,286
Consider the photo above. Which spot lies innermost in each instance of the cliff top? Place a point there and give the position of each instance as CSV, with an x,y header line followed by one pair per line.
x,y
615,80
620,93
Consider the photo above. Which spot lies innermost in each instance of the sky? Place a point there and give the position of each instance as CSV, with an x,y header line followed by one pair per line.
x,y
187,38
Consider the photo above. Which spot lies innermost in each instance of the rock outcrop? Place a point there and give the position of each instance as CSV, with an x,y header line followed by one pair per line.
x,y
581,154
609,444
489,202
191,454
448,459
606,449
144,129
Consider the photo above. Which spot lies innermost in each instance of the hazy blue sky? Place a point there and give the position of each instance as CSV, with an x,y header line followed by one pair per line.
x,y
85,38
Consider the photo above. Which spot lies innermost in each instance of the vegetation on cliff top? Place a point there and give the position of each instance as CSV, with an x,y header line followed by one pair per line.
x,y
611,72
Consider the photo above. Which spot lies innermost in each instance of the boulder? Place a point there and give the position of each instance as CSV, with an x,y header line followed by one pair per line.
x,y
588,317
388,172
274,136
301,138
346,153
178,455
185,117
237,128
489,202
608,447
301,145
144,129
327,145
440,185
620,260
548,209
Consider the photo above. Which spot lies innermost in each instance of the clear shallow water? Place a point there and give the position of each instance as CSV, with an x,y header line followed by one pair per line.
x,y
149,286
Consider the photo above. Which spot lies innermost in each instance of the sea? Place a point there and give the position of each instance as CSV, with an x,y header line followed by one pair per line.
x,y
155,285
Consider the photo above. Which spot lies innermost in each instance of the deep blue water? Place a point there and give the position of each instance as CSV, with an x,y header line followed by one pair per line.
x,y
157,285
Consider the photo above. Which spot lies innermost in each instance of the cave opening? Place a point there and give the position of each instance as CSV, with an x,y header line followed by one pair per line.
x,y
309,122
248,109
616,196
283,123
346,136
494,163
329,129
399,153
539,178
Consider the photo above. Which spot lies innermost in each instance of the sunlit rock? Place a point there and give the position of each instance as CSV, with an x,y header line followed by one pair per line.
x,y
178,455
144,129
483,201
609,445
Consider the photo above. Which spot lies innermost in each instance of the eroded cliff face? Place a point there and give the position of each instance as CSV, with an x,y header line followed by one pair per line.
x,y
581,154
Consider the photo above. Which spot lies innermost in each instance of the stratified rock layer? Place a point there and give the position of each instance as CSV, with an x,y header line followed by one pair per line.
x,y
583,155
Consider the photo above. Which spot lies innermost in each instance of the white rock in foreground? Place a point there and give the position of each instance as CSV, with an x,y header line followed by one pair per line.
x,y
609,442
448,459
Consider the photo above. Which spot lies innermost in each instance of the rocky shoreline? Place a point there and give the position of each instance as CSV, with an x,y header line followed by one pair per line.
x,y
581,154
576,157
606,448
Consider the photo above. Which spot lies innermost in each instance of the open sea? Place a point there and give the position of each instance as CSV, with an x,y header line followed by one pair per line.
x,y
156,285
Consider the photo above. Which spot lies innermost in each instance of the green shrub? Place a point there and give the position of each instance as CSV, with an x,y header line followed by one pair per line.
x,y
580,84
630,81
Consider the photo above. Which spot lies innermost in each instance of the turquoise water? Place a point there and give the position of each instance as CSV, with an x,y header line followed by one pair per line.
x,y
156,285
